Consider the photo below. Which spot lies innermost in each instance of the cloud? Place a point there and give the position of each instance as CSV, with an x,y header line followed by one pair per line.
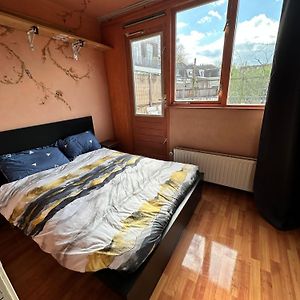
x,y
258,30
181,25
192,39
205,19
191,43
208,19
221,2
255,39
195,48
215,14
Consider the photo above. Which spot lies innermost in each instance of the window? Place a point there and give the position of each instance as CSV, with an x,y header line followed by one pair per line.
x,y
147,75
255,38
244,73
199,51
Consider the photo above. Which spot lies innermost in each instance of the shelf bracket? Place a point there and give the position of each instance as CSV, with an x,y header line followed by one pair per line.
x,y
31,34
76,47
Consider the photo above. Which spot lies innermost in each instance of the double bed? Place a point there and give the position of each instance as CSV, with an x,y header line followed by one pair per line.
x,y
108,212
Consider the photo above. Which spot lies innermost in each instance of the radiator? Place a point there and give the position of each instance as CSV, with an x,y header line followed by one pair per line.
x,y
232,171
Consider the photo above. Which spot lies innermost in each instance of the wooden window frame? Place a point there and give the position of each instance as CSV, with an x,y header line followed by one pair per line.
x,y
228,47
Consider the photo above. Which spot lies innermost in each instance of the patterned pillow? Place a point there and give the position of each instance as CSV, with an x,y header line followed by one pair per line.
x,y
77,144
19,165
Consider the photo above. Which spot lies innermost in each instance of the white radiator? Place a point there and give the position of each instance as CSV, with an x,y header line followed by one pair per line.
x,y
232,171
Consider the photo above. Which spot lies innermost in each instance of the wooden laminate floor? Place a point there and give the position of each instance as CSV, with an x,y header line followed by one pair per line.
x,y
227,252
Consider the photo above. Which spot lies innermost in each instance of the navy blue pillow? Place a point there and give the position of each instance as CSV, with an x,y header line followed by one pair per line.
x,y
77,144
19,165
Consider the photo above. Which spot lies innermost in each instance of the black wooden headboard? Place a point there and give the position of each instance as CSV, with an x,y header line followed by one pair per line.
x,y
20,139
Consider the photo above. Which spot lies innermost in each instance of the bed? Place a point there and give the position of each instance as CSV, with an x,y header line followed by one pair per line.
x,y
134,280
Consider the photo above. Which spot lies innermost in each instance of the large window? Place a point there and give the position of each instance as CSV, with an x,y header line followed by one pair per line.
x,y
201,74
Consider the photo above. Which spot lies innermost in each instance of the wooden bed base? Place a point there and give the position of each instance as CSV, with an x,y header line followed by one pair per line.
x,y
137,285
140,284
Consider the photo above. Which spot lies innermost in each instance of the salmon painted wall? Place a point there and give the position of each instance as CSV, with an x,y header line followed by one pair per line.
x,y
47,85
231,131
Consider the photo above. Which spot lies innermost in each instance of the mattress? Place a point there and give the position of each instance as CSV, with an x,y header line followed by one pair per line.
x,y
105,209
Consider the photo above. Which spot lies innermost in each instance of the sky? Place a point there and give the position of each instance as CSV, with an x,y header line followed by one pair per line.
x,y
200,31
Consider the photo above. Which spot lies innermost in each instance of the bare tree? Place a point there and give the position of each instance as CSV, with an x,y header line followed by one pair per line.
x,y
180,53
250,74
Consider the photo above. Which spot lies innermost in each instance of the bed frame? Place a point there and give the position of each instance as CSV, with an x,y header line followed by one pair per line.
x,y
137,285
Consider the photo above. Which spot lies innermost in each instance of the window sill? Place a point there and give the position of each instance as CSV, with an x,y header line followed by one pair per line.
x,y
215,106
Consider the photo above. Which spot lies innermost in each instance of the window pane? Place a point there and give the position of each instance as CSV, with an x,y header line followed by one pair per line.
x,y
199,50
255,39
146,60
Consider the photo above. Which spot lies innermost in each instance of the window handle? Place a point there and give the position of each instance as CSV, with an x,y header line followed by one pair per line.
x,y
131,34
226,27
220,91
165,101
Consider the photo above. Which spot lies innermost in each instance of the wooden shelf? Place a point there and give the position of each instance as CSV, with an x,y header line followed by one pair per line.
x,y
24,24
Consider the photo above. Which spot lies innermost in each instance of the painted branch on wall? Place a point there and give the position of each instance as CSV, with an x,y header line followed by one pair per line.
x,y
61,46
20,70
69,15
5,30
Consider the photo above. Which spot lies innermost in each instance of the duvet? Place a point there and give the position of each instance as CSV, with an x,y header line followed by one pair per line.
x,y
105,209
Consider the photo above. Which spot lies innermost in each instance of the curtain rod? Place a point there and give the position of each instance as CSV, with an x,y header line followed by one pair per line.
x,y
144,19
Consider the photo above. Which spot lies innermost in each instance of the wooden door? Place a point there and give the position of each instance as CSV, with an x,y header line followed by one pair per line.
x,y
148,79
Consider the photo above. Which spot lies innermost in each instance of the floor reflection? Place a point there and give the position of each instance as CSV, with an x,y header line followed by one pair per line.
x,y
222,265
194,257
219,259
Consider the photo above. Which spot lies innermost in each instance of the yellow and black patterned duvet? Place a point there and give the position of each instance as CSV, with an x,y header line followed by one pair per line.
x,y
105,209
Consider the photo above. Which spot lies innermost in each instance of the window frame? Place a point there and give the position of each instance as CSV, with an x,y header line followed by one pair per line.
x,y
228,48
